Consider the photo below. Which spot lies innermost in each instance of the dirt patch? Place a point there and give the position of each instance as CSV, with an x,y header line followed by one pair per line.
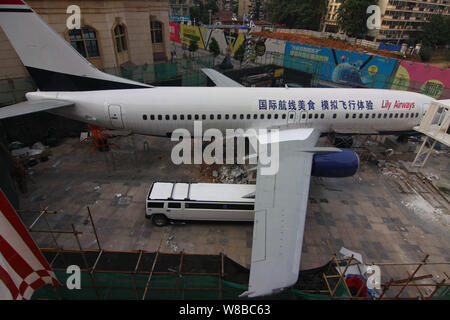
x,y
329,43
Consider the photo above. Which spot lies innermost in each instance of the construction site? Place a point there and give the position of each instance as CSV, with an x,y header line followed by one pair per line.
x,y
82,189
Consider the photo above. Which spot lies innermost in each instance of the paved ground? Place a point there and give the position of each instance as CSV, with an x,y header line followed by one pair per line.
x,y
368,213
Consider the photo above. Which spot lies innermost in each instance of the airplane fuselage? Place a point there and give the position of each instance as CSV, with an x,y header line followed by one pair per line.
x,y
160,110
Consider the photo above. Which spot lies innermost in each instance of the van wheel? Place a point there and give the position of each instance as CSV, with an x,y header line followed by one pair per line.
x,y
160,220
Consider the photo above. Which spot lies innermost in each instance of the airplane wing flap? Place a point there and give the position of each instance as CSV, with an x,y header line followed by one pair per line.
x,y
280,211
28,107
219,79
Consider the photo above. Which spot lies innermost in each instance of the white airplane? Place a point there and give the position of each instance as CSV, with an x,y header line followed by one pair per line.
x,y
71,87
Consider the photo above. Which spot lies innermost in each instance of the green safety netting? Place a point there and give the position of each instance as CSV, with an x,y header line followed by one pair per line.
x,y
112,286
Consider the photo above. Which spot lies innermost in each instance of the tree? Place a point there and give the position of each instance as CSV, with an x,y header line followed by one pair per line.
x,y
200,11
436,32
193,45
297,14
425,54
214,47
352,17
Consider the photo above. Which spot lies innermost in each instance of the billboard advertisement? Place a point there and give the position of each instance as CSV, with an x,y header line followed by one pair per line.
x,y
175,32
226,38
340,66
426,79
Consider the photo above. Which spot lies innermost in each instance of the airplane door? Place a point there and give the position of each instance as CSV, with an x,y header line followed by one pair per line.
x,y
115,115
291,117
303,119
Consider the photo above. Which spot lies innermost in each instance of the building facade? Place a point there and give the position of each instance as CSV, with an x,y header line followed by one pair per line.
x,y
258,6
329,21
400,19
113,33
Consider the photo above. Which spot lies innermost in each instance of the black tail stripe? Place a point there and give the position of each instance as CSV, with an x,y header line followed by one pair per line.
x,y
15,10
56,81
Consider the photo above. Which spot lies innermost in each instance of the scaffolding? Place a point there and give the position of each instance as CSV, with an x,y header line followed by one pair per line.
x,y
143,275
435,125
341,290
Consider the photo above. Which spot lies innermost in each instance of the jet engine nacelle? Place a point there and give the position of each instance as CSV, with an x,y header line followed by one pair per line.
x,y
335,165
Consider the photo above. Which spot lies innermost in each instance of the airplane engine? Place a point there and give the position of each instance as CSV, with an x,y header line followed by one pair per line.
x,y
335,165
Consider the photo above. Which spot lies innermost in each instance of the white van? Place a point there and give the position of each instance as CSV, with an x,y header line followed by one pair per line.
x,y
200,201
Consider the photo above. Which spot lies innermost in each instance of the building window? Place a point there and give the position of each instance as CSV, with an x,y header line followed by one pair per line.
x,y
120,38
84,40
157,32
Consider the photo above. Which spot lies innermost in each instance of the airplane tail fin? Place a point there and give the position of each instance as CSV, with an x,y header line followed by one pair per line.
x,y
51,61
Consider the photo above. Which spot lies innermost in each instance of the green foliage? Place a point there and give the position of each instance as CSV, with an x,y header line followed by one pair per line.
x,y
193,45
352,17
214,47
199,10
425,54
436,32
297,14
240,53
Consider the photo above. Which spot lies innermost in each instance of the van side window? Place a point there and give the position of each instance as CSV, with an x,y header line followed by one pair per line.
x,y
155,204
174,205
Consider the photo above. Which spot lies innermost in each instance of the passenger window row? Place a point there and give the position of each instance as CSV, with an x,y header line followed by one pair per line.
x,y
213,117
277,116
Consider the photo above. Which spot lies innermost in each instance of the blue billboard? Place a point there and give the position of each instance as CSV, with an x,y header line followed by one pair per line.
x,y
340,66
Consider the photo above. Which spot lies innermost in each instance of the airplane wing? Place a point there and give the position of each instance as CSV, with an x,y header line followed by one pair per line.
x,y
219,79
280,210
31,107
